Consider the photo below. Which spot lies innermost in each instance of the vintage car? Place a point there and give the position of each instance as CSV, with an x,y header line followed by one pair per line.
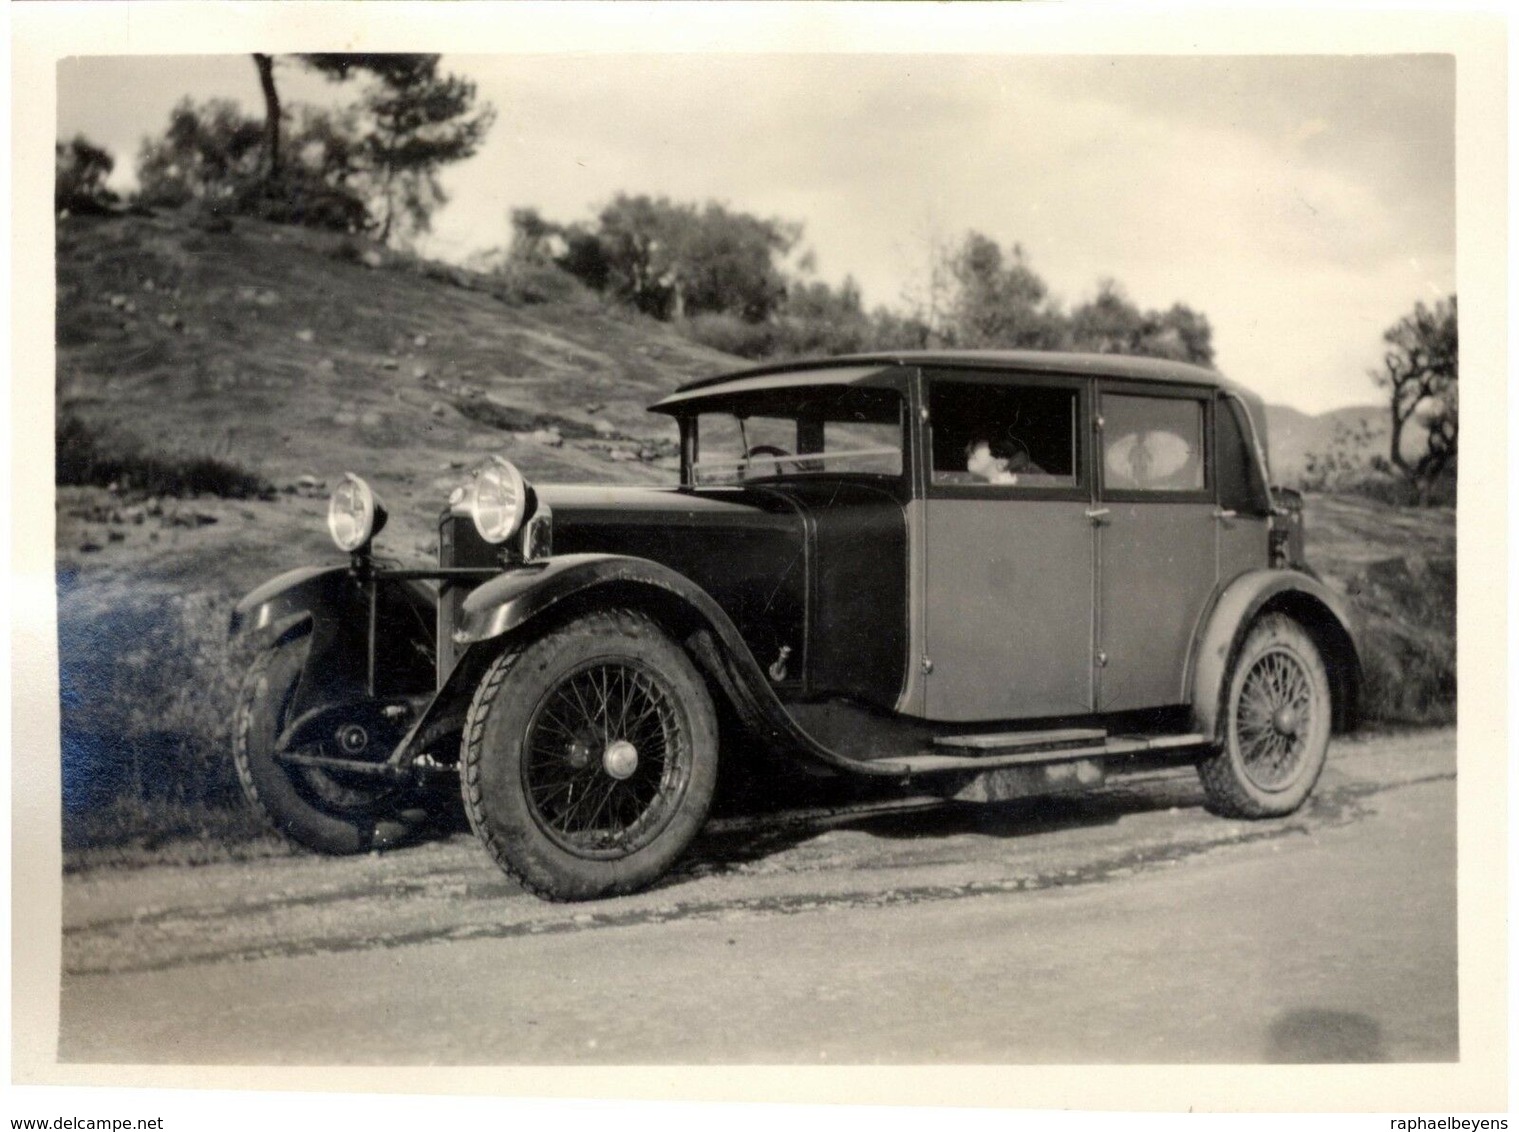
x,y
986,575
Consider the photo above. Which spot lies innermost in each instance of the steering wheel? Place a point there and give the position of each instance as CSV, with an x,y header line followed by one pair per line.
x,y
767,450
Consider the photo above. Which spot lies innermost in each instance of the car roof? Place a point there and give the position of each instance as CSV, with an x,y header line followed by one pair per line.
x,y
877,369
717,391
861,368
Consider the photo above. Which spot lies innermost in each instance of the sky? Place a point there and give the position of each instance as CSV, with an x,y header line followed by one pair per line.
x,y
1303,203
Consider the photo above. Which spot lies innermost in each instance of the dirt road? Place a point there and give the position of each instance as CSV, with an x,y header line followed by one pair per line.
x,y
1127,925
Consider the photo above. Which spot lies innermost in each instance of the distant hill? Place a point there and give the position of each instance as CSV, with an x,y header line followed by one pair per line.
x,y
1294,435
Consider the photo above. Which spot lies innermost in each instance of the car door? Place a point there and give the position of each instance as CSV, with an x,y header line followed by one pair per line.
x,y
1008,555
1156,553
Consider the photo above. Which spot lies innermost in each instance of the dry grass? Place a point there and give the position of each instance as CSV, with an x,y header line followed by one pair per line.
x,y
130,832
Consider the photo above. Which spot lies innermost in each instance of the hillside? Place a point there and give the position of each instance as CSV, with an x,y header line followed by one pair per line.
x,y
299,356
283,351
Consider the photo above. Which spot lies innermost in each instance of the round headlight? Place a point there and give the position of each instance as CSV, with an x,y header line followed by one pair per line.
x,y
354,514
499,500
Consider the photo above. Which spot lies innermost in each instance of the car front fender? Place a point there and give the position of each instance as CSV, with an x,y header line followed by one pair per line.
x,y
1314,605
357,648
512,599
294,596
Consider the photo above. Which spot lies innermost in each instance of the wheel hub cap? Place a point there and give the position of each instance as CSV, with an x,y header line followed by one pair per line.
x,y
1285,721
620,758
353,739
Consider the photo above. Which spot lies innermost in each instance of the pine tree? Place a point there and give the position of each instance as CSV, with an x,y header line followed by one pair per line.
x,y
416,122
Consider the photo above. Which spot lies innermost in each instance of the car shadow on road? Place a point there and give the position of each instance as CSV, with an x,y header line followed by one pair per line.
x,y
1315,1036
751,837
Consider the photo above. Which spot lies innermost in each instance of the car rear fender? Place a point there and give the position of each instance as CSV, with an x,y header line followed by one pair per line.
x,y
1301,596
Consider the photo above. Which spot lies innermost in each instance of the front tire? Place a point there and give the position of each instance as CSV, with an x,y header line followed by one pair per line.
x,y
1277,728
590,757
338,813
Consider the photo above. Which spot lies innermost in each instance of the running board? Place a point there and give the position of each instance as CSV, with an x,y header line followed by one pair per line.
x,y
1117,745
1009,741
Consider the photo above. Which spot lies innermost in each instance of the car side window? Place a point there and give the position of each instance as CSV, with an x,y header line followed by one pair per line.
x,y
987,434
1152,444
1241,487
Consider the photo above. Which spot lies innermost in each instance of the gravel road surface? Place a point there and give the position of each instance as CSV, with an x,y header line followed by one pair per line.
x,y
1125,925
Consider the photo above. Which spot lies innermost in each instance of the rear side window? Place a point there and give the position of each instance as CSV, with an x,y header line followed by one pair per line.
x,y
1240,485
1152,444
987,434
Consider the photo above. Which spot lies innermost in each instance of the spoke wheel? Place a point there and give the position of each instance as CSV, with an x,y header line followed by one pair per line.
x,y
590,757
1278,724
606,759
1274,718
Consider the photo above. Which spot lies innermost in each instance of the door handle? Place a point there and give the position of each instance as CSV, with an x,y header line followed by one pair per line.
x,y
1225,513
1098,514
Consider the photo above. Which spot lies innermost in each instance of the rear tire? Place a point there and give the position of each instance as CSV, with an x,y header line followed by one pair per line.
x,y
1278,719
590,757
330,812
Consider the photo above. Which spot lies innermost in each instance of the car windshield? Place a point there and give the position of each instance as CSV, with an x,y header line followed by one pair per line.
x,y
800,432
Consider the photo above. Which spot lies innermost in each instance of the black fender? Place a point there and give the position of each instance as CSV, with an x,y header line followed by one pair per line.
x,y
512,599
296,595
332,604
1320,611
512,603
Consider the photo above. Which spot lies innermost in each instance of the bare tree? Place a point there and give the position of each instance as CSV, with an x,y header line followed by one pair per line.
x,y
1419,371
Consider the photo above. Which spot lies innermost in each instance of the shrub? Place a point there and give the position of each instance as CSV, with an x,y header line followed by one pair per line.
x,y
213,154
1349,466
80,169
520,282
129,831
802,335
85,457
301,198
349,250
1347,461
1407,610
731,334
1397,491
147,689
